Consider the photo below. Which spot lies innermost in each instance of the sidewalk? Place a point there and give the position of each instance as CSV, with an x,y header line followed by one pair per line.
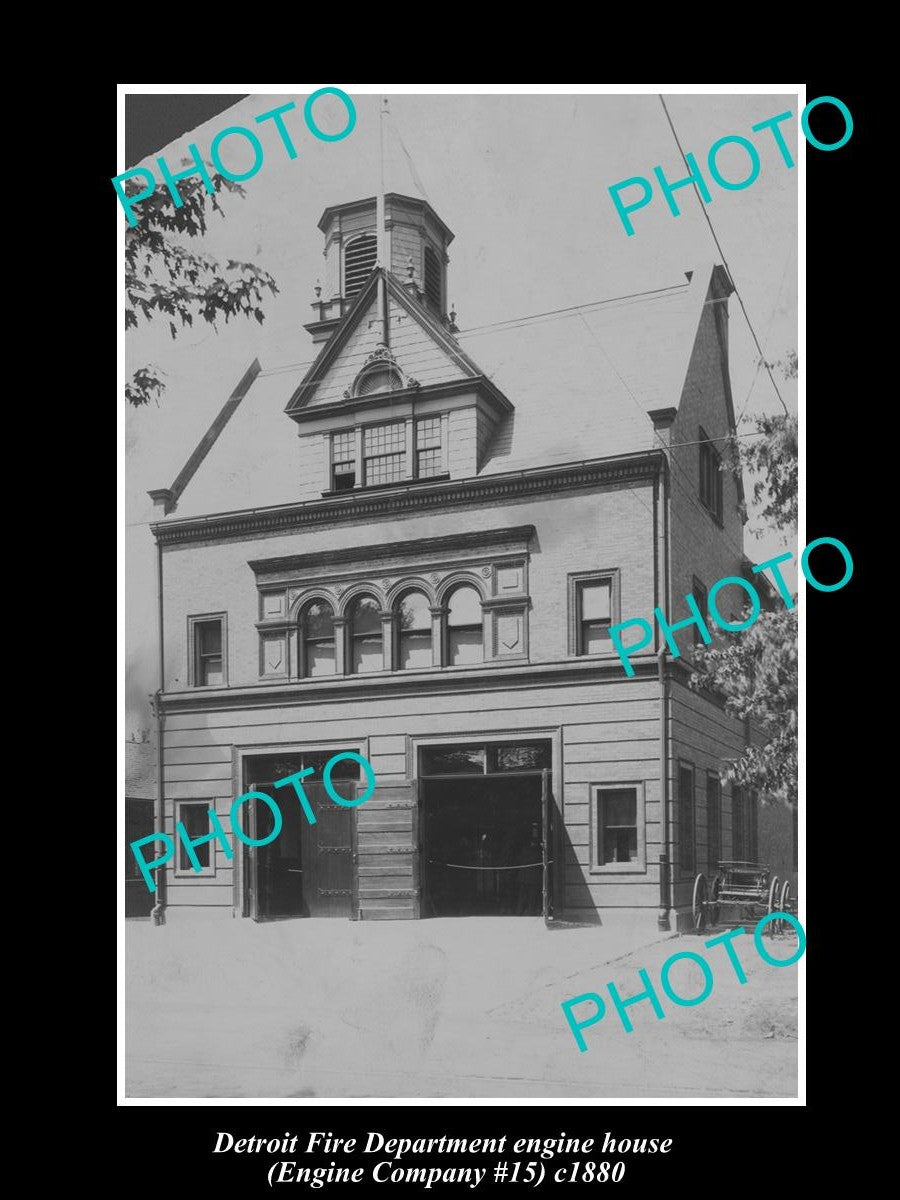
x,y
453,1007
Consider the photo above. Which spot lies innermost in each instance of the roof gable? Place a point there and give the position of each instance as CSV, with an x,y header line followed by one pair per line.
x,y
420,347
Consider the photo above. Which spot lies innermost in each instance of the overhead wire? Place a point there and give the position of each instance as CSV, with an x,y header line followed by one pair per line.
x,y
724,260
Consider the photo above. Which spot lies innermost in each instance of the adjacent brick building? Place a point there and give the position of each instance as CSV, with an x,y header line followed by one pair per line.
x,y
400,555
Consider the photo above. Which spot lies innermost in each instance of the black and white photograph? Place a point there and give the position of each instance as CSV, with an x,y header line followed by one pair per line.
x,y
461,590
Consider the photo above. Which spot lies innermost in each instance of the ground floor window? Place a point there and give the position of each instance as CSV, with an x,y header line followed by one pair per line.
x,y
686,818
194,816
618,842
713,821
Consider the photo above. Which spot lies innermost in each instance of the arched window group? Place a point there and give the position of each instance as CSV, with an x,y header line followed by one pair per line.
x,y
411,628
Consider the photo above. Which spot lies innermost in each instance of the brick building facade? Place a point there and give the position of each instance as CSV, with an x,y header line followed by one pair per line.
x,y
399,555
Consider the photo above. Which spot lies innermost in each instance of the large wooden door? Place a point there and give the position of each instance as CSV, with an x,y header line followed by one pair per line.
x,y
328,854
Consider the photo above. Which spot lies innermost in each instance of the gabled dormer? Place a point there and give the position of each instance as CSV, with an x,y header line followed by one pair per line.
x,y
392,399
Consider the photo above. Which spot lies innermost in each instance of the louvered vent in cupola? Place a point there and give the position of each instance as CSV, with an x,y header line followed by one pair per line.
x,y
359,262
432,279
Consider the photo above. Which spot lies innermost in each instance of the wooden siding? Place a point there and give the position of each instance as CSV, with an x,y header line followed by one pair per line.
x,y
608,732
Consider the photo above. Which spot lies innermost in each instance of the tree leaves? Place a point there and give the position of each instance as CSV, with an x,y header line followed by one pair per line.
x,y
165,278
756,671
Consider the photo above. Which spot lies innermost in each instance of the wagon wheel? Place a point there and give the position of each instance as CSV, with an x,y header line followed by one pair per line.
x,y
698,904
773,892
783,902
713,909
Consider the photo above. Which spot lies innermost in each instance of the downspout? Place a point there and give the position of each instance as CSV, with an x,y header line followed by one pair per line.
x,y
158,912
666,865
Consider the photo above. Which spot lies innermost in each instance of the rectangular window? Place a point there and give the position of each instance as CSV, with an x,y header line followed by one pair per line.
x,y
428,447
194,815
701,595
618,841
207,648
593,608
737,823
384,453
752,827
710,477
713,821
686,818
616,825
343,460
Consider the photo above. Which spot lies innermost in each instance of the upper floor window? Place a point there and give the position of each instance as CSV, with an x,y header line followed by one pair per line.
x,y
710,477
384,453
392,452
364,635
343,460
317,655
432,278
593,607
465,631
359,262
428,447
207,638
701,595
414,631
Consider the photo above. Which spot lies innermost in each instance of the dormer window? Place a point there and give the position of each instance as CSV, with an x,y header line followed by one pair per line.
x,y
359,262
389,452
343,458
384,453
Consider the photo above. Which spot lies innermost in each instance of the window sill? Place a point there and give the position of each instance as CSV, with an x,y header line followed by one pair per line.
x,y
619,869
204,874
333,493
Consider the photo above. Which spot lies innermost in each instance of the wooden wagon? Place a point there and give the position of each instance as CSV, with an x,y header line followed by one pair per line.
x,y
740,891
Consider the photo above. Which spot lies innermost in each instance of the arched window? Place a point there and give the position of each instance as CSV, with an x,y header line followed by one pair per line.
x,y
432,278
359,261
414,631
364,634
317,639
464,627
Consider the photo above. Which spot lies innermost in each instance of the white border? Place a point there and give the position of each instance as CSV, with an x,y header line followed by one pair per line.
x,y
541,89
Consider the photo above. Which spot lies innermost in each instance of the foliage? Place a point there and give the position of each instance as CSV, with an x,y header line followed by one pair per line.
x,y
164,279
755,671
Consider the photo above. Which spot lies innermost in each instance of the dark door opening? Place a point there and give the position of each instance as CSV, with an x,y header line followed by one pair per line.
x,y
307,870
484,848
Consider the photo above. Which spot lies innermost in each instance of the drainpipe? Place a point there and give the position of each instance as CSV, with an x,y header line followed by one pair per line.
x,y
665,866
158,912
666,873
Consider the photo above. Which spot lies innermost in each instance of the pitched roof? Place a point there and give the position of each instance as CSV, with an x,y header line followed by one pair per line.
x,y
581,382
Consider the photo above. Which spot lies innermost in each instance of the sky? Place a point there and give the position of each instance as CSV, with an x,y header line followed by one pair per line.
x,y
522,181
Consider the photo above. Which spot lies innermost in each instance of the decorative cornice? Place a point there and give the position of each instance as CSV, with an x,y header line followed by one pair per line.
x,y
497,675
433,545
476,491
